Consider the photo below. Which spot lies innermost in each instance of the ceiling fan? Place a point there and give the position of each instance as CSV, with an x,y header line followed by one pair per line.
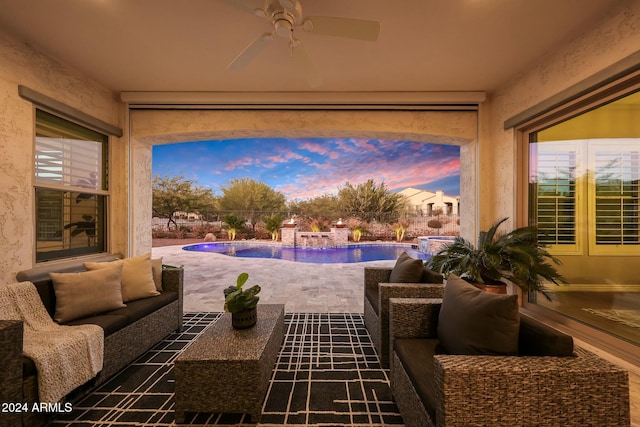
x,y
286,17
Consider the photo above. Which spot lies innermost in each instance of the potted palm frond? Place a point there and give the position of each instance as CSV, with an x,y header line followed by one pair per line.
x,y
242,304
516,257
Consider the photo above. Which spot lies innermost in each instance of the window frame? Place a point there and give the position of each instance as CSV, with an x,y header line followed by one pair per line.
x,y
577,246
585,187
596,248
572,107
101,192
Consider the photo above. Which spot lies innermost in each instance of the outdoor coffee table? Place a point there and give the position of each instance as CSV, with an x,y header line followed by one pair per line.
x,y
227,370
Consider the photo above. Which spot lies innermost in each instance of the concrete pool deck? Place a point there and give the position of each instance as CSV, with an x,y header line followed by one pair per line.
x,y
301,287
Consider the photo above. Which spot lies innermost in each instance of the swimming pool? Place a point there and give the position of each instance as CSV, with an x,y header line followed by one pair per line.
x,y
343,254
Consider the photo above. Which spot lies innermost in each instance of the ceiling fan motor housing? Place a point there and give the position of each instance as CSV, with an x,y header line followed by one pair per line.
x,y
284,15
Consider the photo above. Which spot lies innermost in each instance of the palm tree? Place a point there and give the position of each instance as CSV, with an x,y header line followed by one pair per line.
x,y
273,224
515,256
234,224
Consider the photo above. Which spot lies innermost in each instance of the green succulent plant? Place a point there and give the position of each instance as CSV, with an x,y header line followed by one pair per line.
x,y
515,256
236,299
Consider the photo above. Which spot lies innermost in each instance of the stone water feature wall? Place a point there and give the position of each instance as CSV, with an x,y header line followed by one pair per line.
x,y
292,236
432,244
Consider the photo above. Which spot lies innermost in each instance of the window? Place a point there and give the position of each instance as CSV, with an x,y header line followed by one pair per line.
x,y
586,183
71,188
555,187
614,193
584,180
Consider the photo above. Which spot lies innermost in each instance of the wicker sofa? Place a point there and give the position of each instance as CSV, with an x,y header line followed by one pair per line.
x,y
432,388
128,333
378,291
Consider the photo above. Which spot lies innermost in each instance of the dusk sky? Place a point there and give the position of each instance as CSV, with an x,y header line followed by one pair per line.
x,y
311,167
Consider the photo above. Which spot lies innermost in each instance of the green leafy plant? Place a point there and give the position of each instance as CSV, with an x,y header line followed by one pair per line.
x,y
236,299
515,256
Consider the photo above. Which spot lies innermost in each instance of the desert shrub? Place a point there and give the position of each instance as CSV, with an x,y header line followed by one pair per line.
x,y
434,223
199,231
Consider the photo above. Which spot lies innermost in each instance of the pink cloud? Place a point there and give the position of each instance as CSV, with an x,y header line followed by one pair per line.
x,y
315,147
240,162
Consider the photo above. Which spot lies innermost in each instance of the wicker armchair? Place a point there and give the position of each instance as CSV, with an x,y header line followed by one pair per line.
x,y
584,390
377,292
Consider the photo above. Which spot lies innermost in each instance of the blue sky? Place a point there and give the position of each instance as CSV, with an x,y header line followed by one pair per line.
x,y
310,167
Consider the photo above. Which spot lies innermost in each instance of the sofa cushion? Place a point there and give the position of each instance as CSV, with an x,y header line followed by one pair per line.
x,y
109,322
416,356
537,339
136,310
86,293
137,276
407,270
472,321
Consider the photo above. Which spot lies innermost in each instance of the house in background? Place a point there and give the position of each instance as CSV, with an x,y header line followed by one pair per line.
x,y
427,203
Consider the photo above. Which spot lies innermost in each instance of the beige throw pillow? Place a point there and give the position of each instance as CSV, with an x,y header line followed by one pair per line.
x,y
86,293
137,276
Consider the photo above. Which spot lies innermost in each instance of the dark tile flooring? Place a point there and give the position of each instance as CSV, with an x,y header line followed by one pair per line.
x,y
327,373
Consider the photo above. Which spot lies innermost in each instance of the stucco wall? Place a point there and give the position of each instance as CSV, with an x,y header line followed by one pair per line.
x,y
23,65
153,127
616,37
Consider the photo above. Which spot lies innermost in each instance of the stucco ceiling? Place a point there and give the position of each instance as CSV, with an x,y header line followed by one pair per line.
x,y
424,45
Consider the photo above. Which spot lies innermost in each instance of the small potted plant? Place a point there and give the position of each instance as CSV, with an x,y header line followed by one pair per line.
x,y
242,303
516,257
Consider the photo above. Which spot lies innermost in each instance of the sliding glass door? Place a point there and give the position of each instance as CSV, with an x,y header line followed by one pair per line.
x,y
583,194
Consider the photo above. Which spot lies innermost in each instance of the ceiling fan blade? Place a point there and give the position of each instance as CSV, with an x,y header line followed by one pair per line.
x,y
250,52
359,29
304,63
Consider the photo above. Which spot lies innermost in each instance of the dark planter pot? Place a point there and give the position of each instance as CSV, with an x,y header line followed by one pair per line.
x,y
492,289
244,319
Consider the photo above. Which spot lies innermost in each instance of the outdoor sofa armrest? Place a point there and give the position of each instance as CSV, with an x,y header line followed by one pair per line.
x,y
375,275
388,291
173,280
407,290
531,390
413,318
11,336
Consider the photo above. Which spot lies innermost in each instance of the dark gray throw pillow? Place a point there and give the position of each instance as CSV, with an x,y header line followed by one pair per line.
x,y
472,321
537,339
430,276
406,270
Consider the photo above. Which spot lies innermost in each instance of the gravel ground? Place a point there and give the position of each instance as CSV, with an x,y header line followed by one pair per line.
x,y
157,243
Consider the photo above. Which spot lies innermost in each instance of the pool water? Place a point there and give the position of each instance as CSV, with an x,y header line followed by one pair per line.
x,y
343,254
